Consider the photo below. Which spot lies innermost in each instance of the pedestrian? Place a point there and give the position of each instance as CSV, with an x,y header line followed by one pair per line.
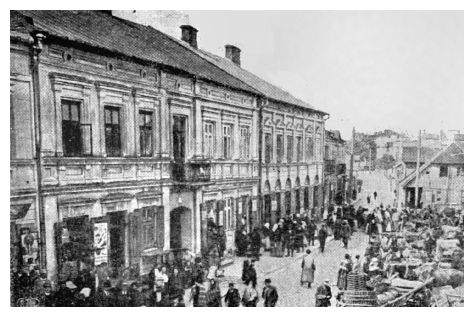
x,y
311,232
47,298
214,294
269,294
251,273
308,267
250,296
375,195
176,283
256,242
345,233
198,294
344,269
368,200
323,294
322,236
291,243
357,266
232,297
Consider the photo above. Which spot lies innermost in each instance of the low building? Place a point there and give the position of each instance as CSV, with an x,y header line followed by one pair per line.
x,y
335,169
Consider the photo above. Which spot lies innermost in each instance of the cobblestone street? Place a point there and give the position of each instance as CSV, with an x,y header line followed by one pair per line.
x,y
285,272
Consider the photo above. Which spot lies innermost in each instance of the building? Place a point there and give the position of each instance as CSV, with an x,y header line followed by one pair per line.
x,y
141,141
335,171
441,179
386,143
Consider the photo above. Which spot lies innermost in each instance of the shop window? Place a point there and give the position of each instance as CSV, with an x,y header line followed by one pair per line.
x,y
227,140
113,145
209,137
268,148
77,137
289,149
146,133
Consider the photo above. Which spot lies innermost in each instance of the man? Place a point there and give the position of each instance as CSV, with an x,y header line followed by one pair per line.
x,y
375,196
322,236
323,295
47,297
232,297
345,233
251,273
269,294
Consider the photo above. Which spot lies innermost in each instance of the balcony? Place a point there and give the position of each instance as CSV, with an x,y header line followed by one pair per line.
x,y
191,172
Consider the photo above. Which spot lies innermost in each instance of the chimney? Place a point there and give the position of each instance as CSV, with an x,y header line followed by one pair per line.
x,y
189,35
233,53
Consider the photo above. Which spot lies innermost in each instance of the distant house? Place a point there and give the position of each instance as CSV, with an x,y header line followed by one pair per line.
x,y
441,177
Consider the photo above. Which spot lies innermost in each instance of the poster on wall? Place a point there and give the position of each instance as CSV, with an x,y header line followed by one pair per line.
x,y
100,243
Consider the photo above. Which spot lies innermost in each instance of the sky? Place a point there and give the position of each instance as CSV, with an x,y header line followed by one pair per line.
x,y
372,70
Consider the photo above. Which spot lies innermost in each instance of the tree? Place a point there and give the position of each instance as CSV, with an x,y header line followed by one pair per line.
x,y
387,161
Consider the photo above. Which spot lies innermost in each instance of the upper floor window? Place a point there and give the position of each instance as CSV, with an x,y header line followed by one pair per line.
x,y
443,171
76,136
309,149
209,137
244,142
113,144
146,133
268,147
299,149
289,148
460,171
227,140
279,148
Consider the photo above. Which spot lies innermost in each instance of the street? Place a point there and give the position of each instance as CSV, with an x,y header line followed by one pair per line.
x,y
285,272
375,181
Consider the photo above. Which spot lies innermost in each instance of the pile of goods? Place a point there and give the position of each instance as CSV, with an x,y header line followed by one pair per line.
x,y
357,294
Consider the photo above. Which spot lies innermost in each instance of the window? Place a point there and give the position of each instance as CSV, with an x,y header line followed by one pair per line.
x,y
299,149
460,171
268,147
146,133
289,148
443,171
309,149
227,140
209,137
244,142
279,148
77,137
113,145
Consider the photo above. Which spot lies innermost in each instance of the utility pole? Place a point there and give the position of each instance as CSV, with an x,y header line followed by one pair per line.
x,y
418,158
351,167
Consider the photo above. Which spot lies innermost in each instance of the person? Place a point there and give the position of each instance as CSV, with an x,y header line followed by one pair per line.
x,y
269,294
368,200
322,236
66,296
198,294
311,232
232,297
176,283
256,242
357,267
345,233
340,298
161,283
214,294
250,295
47,298
83,298
344,269
103,297
323,294
375,195
291,242
250,274
308,268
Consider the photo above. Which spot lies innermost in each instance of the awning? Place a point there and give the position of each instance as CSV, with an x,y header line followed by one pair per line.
x,y
18,211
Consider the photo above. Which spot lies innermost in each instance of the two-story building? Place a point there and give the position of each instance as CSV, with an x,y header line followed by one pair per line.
x,y
125,142
335,179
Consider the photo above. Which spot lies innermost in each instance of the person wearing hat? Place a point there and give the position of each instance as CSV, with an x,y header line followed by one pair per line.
x,y
346,232
308,267
374,268
232,297
47,298
269,294
66,296
344,269
323,294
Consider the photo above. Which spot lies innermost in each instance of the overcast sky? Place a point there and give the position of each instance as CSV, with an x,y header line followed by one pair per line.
x,y
369,69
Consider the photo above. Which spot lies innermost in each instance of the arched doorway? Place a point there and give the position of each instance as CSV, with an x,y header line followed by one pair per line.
x,y
278,199
297,196
267,203
181,234
288,196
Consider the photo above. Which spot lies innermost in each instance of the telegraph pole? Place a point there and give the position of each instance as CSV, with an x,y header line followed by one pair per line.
x,y
351,166
418,158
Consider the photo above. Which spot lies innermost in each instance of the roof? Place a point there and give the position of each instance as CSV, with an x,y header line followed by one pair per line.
x,y
410,154
98,29
267,89
453,154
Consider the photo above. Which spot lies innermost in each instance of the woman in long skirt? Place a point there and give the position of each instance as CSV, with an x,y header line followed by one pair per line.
x,y
344,269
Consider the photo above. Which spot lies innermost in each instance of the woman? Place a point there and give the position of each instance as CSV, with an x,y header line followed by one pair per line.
x,y
308,268
250,296
214,294
344,269
198,294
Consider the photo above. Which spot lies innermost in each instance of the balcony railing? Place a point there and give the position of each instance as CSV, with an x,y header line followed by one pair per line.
x,y
192,172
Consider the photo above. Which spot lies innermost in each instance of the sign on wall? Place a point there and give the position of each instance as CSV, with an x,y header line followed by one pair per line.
x,y
100,243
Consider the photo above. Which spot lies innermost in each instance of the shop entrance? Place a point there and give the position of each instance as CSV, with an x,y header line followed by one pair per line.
x,y
117,239
410,197
181,228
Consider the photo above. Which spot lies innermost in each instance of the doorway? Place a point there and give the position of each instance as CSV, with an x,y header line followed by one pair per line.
x,y
180,228
410,197
117,239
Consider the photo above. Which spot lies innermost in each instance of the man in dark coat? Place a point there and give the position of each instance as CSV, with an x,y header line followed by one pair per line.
x,y
269,294
256,242
232,297
323,295
251,273
346,232
322,236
